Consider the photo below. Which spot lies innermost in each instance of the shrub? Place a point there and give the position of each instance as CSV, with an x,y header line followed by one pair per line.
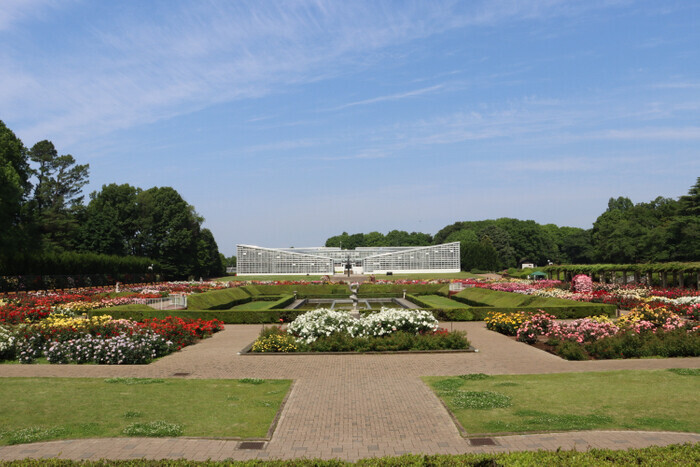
x,y
123,349
7,344
571,351
537,325
323,323
275,343
655,315
506,323
629,344
582,284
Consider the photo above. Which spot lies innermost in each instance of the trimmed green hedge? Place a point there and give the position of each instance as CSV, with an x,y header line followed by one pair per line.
x,y
227,316
640,268
675,454
221,299
477,296
397,289
483,301
425,303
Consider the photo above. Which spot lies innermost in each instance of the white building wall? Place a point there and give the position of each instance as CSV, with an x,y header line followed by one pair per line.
x,y
269,261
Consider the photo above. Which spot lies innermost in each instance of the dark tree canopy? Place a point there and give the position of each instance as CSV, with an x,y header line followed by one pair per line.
x,y
663,229
49,217
14,187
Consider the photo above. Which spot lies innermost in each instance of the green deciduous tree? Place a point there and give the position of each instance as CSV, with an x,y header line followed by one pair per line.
x,y
14,189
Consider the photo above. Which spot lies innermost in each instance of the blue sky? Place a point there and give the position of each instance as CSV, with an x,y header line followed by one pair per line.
x,y
285,123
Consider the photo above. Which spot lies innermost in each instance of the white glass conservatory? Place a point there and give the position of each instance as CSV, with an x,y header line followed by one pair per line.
x,y
368,260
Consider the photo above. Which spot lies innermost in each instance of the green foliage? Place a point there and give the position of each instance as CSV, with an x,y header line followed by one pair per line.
x,y
227,316
220,299
73,408
156,429
396,341
435,301
32,434
393,238
685,371
120,220
255,381
74,263
676,343
571,351
57,203
480,400
14,189
132,381
672,455
474,376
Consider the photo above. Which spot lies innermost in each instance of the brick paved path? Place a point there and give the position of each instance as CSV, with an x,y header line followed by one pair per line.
x,y
346,406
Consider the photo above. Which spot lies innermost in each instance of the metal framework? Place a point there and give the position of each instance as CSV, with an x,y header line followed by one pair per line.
x,y
324,260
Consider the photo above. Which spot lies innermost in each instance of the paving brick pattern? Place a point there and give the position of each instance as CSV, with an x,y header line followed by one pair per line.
x,y
346,406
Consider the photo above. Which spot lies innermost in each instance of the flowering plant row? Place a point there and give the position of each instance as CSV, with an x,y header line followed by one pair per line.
x,y
324,322
100,339
35,306
680,301
645,331
390,329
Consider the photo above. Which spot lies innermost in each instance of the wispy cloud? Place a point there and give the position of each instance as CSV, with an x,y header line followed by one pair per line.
x,y
13,12
392,97
177,58
654,134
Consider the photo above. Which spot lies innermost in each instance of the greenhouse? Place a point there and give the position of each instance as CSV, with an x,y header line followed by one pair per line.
x,y
329,260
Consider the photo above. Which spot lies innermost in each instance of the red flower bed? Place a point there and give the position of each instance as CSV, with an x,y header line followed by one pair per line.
x,y
182,332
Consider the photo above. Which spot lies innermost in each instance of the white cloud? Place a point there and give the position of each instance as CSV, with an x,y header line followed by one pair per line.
x,y
393,97
182,57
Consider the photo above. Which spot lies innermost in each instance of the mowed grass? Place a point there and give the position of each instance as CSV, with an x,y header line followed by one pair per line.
x,y
255,306
663,400
37,409
438,301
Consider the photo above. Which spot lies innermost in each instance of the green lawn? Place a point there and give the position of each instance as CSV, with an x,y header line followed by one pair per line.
x,y
611,400
35,409
255,306
221,299
438,301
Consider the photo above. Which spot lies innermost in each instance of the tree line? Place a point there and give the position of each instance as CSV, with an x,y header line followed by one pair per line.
x,y
661,230
42,212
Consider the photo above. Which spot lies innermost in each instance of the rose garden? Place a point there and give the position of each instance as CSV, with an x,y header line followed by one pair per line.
x,y
576,321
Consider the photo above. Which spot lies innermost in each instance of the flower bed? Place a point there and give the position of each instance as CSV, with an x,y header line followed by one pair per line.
x,y
100,339
35,306
685,302
391,329
644,332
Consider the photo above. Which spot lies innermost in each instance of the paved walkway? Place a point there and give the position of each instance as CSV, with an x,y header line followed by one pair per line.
x,y
346,406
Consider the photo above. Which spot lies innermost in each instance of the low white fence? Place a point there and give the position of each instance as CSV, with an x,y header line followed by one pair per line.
x,y
171,302
459,286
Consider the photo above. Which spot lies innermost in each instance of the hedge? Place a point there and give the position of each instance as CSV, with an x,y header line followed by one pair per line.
x,y
640,268
221,299
477,311
478,296
69,263
674,454
227,316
